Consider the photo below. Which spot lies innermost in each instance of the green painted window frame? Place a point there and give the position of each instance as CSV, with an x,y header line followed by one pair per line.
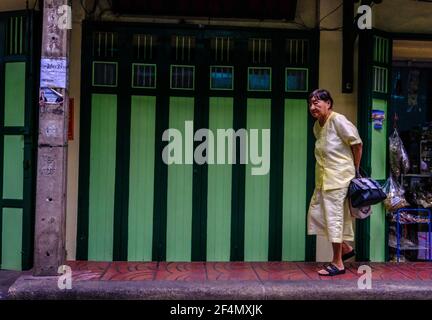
x,y
381,49
15,44
298,69
104,85
182,65
232,81
376,85
248,83
148,65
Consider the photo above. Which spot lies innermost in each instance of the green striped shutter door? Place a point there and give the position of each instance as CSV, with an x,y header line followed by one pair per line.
x,y
180,177
294,180
16,143
257,187
219,196
141,178
102,176
374,93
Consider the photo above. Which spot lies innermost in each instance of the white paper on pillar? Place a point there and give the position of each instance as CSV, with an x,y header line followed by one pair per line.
x,y
53,73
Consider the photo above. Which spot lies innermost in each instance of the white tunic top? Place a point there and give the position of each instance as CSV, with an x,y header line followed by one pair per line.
x,y
334,159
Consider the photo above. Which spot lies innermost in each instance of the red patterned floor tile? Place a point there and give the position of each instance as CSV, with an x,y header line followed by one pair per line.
x,y
396,276
278,271
87,270
422,265
131,271
222,271
186,271
311,270
230,271
274,266
424,274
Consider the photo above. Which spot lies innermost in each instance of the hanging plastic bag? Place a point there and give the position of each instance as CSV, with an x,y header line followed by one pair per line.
x,y
395,195
399,161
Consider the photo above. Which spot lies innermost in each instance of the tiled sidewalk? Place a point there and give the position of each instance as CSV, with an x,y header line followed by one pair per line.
x,y
240,271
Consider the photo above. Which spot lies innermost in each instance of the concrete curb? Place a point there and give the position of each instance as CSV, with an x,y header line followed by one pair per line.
x,y
41,288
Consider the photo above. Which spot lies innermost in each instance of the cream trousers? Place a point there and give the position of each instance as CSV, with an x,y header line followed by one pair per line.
x,y
329,215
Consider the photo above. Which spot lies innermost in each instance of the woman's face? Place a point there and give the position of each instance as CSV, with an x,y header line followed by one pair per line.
x,y
319,108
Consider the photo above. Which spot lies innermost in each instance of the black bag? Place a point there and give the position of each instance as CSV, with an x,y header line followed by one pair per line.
x,y
364,192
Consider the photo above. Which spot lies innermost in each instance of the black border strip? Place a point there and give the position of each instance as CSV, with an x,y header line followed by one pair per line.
x,y
161,169
84,146
200,172
121,193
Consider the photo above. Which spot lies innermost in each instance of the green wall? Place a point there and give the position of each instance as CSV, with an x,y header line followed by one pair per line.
x,y
294,180
11,258
102,176
141,178
13,167
378,166
257,188
14,94
180,178
219,186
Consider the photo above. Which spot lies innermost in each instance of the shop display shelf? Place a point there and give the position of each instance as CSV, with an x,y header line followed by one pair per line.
x,y
414,218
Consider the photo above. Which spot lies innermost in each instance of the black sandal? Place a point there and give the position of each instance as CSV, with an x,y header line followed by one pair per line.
x,y
348,255
332,270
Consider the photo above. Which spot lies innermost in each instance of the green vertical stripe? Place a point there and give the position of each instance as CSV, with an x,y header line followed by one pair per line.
x,y
13,167
219,186
11,239
102,176
377,234
378,172
257,190
180,176
379,144
14,94
294,180
141,178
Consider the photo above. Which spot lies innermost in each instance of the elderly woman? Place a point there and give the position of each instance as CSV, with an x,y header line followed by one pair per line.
x,y
338,150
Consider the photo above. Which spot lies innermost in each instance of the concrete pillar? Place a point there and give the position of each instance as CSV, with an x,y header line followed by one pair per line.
x,y
50,222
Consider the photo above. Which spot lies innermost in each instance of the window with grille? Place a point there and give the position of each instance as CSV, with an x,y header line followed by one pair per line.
x,y
105,45
260,50
143,75
381,50
182,77
297,51
221,78
183,48
259,79
296,80
15,42
105,74
380,79
222,49
144,46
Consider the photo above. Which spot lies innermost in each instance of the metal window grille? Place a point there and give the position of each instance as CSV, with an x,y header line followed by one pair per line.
x,y
297,51
105,74
221,78
144,46
15,41
222,49
260,50
105,44
259,79
143,75
183,48
380,79
182,77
